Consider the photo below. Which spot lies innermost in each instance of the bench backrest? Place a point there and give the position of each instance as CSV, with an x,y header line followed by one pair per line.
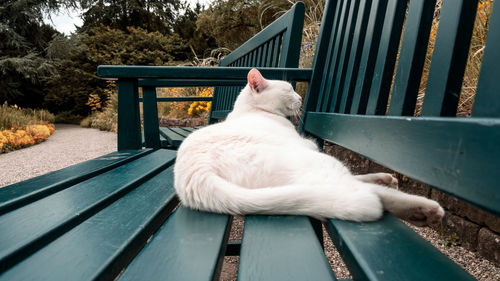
x,y
350,101
278,45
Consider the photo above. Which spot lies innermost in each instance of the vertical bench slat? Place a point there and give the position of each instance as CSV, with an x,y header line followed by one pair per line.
x,y
355,56
386,57
150,113
281,248
101,246
487,99
129,121
277,49
449,59
260,54
412,58
325,51
291,54
336,49
314,94
189,246
270,52
369,57
344,58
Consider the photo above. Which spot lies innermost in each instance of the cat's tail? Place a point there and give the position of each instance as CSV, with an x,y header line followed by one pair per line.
x,y
212,193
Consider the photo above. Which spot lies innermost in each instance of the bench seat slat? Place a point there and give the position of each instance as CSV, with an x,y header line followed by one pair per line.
x,y
172,137
181,131
189,246
101,246
27,191
281,248
389,250
38,223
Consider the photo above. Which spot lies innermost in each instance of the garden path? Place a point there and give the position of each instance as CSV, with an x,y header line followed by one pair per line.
x,y
70,144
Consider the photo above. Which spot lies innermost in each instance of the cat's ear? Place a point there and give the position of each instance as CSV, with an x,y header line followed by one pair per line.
x,y
256,81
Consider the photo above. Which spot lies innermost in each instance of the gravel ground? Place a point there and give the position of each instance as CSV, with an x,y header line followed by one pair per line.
x,y
72,144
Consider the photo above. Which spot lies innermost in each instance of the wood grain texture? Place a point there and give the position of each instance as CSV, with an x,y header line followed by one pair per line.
x,y
25,192
189,246
281,248
31,227
460,156
99,247
388,250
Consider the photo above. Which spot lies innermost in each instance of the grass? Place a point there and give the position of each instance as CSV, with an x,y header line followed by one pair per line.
x,y
20,127
14,117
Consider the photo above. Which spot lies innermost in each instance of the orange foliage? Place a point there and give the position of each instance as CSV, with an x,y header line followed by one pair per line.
x,y
14,139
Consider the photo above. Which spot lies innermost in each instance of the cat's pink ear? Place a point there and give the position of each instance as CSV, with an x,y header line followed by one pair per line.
x,y
256,81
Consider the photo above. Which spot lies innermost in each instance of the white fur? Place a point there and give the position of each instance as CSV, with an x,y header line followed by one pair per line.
x,y
255,162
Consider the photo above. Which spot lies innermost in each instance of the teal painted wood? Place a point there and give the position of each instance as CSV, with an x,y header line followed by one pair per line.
x,y
25,192
334,56
197,73
412,57
180,131
150,117
449,58
189,246
31,227
321,55
286,35
221,114
388,250
369,57
163,141
281,248
173,138
101,246
486,101
187,83
460,156
129,121
344,57
292,37
177,99
386,57
355,56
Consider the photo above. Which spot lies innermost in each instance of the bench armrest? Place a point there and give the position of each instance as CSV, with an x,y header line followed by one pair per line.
x,y
189,73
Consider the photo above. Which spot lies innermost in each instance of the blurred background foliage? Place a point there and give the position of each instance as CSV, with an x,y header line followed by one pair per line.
x,y
42,68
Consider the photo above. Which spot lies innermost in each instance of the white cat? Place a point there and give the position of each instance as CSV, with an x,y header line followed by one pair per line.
x,y
255,162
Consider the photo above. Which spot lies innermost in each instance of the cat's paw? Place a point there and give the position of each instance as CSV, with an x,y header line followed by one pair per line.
x,y
387,179
428,213
379,178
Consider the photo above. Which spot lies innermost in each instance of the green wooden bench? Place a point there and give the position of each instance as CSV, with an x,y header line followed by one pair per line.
x,y
278,45
112,218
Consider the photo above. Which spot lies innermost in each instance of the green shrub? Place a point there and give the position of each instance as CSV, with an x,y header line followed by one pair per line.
x,y
105,120
67,117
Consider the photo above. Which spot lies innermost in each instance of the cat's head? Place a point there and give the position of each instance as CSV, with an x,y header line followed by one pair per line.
x,y
273,96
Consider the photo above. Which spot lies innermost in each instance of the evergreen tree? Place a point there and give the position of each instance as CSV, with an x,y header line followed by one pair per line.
x,y
23,39
151,15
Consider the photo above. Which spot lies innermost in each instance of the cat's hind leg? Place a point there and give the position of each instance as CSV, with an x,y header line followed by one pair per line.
x,y
415,209
379,178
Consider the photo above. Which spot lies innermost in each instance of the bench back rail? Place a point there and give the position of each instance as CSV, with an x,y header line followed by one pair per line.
x,y
278,45
350,93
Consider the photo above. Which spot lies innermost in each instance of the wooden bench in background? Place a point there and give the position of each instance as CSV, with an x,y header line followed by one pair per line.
x,y
278,45
112,218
